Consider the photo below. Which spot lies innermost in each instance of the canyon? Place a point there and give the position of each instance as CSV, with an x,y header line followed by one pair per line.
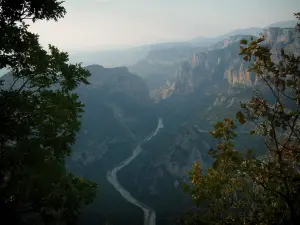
x,y
191,96
149,214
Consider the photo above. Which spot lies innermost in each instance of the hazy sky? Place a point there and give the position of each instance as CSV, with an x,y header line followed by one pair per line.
x,y
99,24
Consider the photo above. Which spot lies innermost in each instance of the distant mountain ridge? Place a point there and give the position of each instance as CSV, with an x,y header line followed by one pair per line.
x,y
222,61
255,31
130,56
200,82
207,87
284,24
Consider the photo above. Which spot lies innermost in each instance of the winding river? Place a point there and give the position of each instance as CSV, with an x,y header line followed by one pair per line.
x,y
149,214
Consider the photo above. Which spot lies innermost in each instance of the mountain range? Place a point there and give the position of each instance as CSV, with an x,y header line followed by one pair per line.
x,y
129,56
190,86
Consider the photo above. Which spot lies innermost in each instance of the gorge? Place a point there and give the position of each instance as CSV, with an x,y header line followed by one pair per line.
x,y
121,109
149,214
149,112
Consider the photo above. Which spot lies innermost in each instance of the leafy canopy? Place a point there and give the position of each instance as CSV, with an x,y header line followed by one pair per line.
x,y
40,115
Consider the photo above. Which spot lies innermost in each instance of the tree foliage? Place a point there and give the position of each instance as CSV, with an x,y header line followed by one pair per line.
x,y
246,188
39,115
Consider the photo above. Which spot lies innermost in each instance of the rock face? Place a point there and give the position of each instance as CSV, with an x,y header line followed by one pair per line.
x,y
237,74
163,92
279,35
210,84
221,66
211,67
276,38
161,64
214,66
223,58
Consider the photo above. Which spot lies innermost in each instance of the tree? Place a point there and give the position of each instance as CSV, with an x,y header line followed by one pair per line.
x,y
40,115
246,188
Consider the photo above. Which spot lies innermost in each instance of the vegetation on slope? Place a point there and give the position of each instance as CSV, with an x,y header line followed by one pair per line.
x,y
243,188
39,116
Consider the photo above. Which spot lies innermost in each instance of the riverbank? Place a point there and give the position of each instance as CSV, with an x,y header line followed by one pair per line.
x,y
149,214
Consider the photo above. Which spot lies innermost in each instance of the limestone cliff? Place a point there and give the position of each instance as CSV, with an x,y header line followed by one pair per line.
x,y
237,74
223,58
162,92
275,35
208,68
275,38
212,67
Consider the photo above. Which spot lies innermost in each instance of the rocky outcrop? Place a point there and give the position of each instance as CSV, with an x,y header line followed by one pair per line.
x,y
211,66
221,64
195,61
161,64
275,35
276,39
237,74
163,92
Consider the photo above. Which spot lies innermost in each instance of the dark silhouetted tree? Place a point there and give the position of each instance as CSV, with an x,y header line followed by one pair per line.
x,y
39,114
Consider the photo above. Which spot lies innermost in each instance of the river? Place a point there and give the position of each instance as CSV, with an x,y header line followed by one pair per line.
x,y
149,214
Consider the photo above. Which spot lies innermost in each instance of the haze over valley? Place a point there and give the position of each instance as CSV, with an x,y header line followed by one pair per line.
x,y
162,74
190,85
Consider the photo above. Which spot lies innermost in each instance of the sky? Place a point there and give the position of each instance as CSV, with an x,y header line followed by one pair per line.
x,y
105,24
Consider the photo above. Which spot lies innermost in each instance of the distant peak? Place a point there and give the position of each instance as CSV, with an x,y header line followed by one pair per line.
x,y
284,24
94,66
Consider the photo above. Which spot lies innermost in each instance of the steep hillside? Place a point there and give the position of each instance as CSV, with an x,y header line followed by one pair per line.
x,y
118,114
160,65
162,60
208,87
